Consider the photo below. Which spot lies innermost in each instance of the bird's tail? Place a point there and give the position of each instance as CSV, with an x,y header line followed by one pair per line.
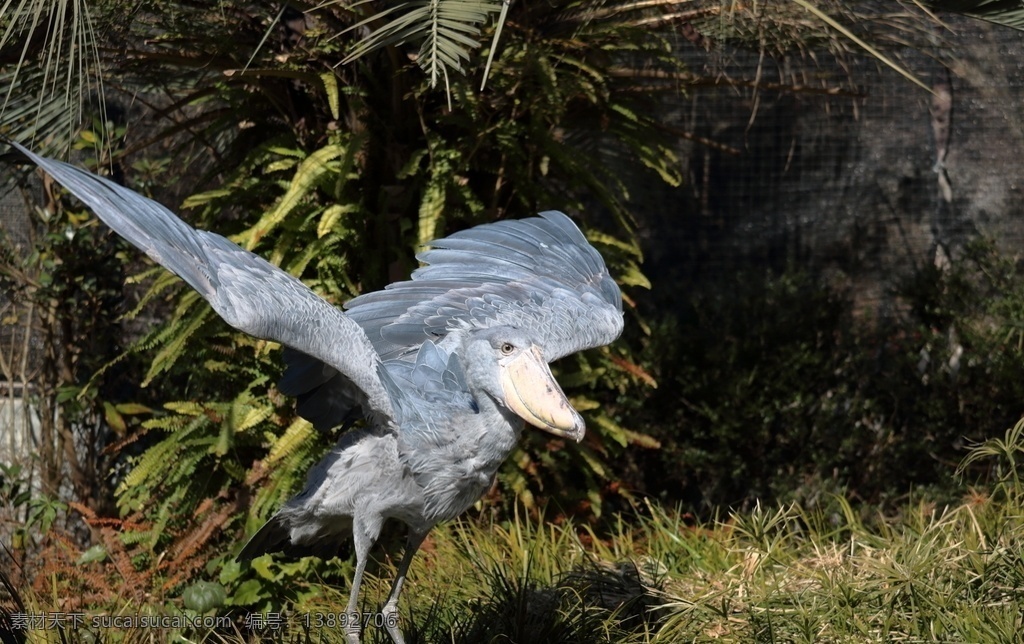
x,y
272,537
275,536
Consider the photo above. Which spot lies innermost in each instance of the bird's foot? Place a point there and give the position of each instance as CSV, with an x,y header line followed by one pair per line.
x,y
352,633
390,614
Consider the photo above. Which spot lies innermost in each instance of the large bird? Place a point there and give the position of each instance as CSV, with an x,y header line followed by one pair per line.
x,y
445,367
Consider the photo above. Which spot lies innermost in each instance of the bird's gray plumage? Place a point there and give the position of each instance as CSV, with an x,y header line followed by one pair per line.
x,y
250,293
445,367
538,273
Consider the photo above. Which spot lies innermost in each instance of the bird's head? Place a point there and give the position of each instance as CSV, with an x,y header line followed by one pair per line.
x,y
506,363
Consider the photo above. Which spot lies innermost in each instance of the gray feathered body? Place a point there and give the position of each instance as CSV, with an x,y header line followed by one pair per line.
x,y
440,460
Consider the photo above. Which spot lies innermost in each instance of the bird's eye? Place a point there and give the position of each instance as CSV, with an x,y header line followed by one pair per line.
x,y
507,348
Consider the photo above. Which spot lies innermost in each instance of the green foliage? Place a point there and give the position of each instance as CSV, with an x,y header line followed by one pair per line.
x,y
200,437
774,388
1006,454
270,584
203,596
30,515
447,28
49,50
775,573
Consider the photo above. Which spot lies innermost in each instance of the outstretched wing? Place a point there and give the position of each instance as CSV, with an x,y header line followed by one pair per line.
x,y
250,293
539,274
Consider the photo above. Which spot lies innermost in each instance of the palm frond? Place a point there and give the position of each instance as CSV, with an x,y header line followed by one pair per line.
x,y
35,113
447,29
48,50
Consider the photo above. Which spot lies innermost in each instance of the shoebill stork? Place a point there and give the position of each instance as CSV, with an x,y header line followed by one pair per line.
x,y
446,368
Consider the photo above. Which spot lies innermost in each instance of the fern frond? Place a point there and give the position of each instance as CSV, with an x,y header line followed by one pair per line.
x,y
296,434
244,416
177,334
288,473
185,408
149,464
309,172
135,537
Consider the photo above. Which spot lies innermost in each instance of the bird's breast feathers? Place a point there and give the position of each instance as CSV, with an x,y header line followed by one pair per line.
x,y
454,473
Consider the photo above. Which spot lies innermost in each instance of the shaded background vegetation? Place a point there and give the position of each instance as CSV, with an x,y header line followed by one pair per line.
x,y
774,380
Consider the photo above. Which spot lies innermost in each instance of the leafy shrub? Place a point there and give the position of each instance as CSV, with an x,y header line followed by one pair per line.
x,y
773,387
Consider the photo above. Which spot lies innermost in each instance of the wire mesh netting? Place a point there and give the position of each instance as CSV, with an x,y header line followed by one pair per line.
x,y
840,165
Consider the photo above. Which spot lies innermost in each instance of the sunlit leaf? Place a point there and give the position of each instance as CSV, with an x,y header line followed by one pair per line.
x,y
315,166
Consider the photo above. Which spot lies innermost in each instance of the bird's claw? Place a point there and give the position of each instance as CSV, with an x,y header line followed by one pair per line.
x,y
390,614
352,634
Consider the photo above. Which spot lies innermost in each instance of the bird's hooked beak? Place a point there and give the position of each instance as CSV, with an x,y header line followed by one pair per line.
x,y
534,395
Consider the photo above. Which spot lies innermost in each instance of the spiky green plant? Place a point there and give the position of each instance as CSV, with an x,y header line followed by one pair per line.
x,y
1004,456
49,61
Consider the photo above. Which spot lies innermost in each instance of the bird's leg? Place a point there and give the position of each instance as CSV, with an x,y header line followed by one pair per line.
x,y
353,621
362,543
390,610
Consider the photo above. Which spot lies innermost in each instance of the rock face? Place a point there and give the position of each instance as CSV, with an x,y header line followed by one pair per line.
x,y
863,188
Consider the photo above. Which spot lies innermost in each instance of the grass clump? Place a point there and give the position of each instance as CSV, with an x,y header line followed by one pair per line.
x,y
951,573
783,573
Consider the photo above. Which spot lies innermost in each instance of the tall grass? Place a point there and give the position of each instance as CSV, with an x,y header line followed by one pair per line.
x,y
773,574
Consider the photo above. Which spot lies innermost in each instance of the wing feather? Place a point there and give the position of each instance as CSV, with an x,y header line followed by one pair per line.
x,y
251,294
538,273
